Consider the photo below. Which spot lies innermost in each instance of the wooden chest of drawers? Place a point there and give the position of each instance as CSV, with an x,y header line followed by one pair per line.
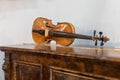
x,y
45,62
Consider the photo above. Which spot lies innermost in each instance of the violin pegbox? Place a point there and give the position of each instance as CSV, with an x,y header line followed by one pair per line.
x,y
99,37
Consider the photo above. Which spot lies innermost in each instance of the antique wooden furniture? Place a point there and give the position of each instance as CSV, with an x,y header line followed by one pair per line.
x,y
63,33
45,62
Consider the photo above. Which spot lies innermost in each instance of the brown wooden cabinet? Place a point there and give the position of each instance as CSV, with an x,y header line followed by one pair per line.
x,y
42,62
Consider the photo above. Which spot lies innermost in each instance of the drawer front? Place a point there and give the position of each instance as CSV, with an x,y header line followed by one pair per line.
x,y
27,71
57,75
64,74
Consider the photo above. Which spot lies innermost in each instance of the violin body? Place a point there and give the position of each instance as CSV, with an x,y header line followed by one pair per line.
x,y
46,24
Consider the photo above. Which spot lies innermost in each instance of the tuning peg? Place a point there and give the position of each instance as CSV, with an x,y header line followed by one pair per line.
x,y
101,44
96,43
94,33
100,33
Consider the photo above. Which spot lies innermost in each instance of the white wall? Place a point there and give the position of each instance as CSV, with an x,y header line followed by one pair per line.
x,y
17,16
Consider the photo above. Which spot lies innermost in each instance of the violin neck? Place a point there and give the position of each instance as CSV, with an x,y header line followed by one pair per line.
x,y
69,35
54,33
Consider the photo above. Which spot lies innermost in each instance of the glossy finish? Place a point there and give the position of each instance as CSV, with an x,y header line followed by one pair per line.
x,y
63,33
54,62
46,25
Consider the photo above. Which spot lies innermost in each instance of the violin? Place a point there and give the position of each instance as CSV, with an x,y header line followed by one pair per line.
x,y
43,31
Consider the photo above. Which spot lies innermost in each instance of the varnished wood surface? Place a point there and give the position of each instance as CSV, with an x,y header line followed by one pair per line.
x,y
63,33
51,62
46,37
102,53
